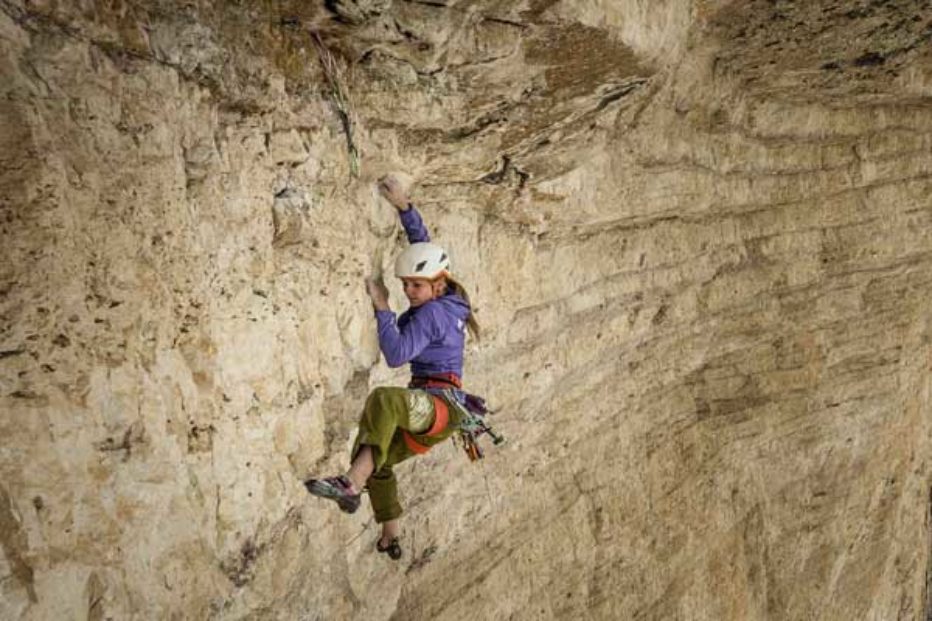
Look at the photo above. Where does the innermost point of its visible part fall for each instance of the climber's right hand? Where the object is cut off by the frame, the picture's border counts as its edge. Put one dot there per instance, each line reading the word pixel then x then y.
pixel 390 188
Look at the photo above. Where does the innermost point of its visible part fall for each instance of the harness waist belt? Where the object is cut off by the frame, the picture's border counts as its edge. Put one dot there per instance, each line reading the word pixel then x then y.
pixel 442 380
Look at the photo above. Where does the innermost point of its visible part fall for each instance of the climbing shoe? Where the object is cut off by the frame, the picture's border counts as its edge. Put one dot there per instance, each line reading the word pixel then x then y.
pixel 338 489
pixel 393 549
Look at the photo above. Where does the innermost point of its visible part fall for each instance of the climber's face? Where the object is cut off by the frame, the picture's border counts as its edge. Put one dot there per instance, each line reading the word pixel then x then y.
pixel 420 290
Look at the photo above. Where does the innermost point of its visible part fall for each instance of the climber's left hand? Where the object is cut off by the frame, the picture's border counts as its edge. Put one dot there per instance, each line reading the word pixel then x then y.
pixel 377 293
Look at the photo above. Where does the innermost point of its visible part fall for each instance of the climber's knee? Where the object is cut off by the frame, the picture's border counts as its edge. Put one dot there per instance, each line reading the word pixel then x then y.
pixel 381 399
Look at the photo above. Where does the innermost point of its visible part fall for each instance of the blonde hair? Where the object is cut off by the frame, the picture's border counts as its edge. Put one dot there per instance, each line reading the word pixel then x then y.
pixel 454 286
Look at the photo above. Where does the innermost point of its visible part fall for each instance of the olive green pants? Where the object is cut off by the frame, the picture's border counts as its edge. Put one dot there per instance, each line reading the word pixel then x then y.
pixel 388 411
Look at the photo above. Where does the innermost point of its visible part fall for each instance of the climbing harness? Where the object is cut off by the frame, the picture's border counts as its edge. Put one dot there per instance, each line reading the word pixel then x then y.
pixel 447 392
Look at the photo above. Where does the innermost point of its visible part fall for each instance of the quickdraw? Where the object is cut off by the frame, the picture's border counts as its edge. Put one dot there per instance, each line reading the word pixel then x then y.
pixel 472 422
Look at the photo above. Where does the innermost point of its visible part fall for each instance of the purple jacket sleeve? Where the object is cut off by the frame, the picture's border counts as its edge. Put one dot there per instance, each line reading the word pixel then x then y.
pixel 414 226
pixel 401 346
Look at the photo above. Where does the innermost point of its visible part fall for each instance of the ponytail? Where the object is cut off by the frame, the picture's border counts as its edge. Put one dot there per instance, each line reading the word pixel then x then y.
pixel 471 324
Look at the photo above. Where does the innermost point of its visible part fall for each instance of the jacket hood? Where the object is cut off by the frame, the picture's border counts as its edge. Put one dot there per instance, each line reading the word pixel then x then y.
pixel 454 304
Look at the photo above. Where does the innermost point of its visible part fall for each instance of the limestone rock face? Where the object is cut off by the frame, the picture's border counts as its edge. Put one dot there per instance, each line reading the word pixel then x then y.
pixel 698 234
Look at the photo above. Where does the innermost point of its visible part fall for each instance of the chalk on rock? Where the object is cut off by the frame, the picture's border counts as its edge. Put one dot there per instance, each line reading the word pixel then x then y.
pixel 290 213
pixel 286 147
pixel 198 161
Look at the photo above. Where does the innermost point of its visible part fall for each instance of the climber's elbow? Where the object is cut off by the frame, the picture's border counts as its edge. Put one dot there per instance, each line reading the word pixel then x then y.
pixel 394 363
pixel 394 359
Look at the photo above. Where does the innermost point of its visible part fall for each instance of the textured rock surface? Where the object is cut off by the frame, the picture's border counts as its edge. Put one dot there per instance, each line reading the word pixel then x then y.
pixel 699 234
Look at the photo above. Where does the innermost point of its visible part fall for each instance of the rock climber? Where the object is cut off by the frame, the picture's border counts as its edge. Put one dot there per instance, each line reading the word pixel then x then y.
pixel 398 423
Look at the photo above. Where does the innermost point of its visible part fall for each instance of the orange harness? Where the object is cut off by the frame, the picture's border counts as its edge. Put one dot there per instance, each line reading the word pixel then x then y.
pixel 441 410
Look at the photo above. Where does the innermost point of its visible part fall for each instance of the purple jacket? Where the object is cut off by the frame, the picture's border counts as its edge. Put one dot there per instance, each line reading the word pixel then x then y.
pixel 431 336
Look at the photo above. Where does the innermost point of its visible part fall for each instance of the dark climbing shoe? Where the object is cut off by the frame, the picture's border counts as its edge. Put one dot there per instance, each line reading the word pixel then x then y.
pixel 338 489
pixel 393 549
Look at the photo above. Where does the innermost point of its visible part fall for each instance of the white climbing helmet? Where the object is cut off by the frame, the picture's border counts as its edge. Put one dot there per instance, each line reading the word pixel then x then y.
pixel 422 260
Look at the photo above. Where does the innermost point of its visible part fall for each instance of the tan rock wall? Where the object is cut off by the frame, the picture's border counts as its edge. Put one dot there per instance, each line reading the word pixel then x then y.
pixel 698 235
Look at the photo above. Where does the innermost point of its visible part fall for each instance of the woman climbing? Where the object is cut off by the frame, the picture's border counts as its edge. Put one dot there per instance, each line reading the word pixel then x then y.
pixel 398 423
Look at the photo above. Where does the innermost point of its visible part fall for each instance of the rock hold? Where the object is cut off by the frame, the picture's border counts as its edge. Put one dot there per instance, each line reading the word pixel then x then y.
pixel 291 210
